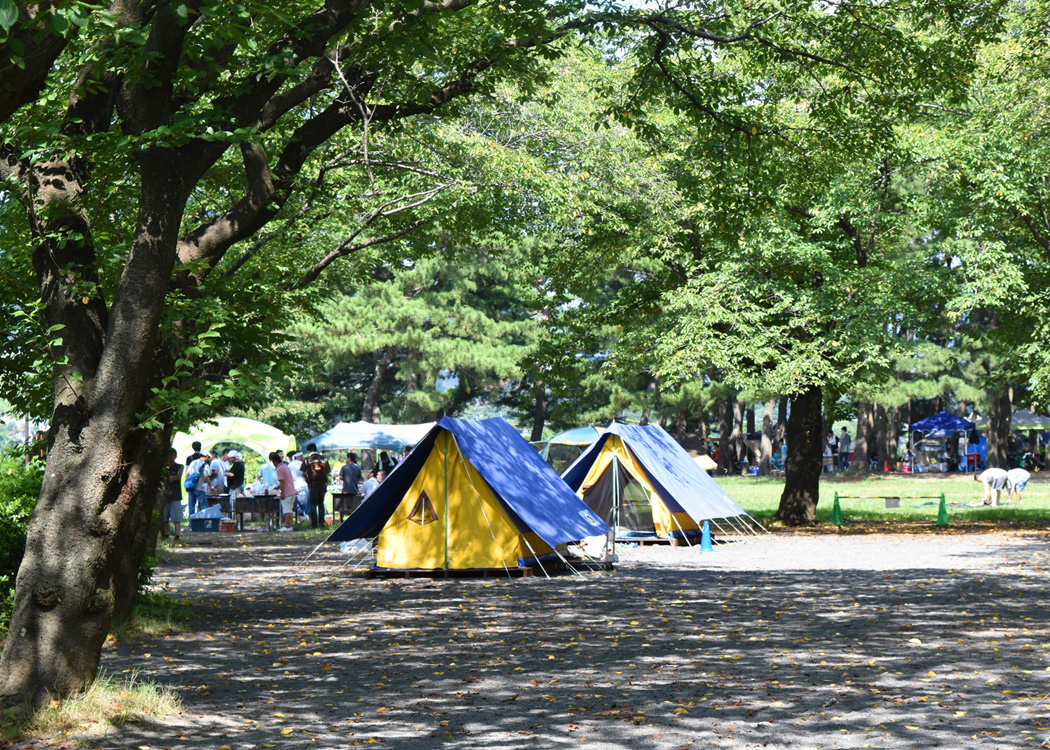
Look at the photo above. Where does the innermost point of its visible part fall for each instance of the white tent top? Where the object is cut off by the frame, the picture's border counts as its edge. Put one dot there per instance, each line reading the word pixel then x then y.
pixel 347 435
pixel 260 437
pixel 1021 420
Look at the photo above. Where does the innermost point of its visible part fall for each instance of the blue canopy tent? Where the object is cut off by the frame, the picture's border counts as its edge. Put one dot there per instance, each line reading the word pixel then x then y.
pixel 470 495
pixel 641 479
pixel 943 422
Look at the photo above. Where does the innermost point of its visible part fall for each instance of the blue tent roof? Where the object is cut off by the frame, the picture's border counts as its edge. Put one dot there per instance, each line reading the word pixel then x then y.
pixel 942 420
pixel 529 489
pixel 676 477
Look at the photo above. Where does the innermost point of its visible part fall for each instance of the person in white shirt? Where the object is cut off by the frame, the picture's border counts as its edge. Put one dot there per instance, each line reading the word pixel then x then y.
pixel 302 491
pixel 1016 480
pixel 370 485
pixel 216 473
pixel 992 479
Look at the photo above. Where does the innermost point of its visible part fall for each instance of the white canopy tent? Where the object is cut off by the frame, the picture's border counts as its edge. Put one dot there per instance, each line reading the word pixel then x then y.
pixel 347 435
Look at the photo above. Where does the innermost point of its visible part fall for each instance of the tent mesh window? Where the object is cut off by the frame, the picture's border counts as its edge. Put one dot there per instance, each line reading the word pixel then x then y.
pixel 423 511
pixel 635 511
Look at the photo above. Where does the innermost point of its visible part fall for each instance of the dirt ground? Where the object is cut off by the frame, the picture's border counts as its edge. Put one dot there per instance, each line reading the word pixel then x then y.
pixel 785 641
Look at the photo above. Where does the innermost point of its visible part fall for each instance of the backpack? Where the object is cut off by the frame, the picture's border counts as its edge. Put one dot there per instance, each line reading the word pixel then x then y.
pixel 191 480
pixel 194 476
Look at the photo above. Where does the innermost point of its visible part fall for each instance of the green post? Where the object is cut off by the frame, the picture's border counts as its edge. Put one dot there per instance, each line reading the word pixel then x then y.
pixel 836 512
pixel 942 512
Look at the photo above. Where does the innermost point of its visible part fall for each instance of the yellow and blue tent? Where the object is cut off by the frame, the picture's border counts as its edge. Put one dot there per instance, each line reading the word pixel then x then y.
pixel 470 495
pixel 637 478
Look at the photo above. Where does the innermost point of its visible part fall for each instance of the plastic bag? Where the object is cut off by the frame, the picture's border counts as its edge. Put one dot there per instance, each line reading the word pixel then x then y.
pixel 214 511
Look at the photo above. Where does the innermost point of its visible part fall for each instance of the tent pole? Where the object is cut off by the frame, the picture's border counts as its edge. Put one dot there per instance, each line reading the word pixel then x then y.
pixel 447 509
pixel 616 502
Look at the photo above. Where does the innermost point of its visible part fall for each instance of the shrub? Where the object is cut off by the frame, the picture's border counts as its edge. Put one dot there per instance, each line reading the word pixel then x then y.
pixel 19 489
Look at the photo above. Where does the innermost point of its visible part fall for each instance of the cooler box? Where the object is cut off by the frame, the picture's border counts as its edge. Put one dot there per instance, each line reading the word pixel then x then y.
pixel 204 524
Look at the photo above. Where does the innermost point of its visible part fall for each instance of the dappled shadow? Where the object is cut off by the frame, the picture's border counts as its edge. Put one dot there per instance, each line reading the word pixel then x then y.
pixel 670 649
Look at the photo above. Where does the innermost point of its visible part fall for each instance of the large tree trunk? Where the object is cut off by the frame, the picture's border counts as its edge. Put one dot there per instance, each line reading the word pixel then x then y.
pixel 102 469
pixel 765 461
pixel 805 433
pixel 539 412
pixel 725 427
pixel 681 427
pixel 882 431
pixel 865 416
pixel 999 414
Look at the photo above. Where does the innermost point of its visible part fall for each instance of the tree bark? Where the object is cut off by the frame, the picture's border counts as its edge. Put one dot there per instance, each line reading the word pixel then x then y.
pixel 539 412
pixel 681 427
pixel 882 455
pixel 781 431
pixel 805 433
pixel 738 444
pixel 102 469
pixel 999 414
pixel 725 427
pixel 750 419
pixel 765 461
pixel 859 466
pixel 381 363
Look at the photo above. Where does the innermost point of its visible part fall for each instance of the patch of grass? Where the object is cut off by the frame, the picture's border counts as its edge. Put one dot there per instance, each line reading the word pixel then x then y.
pixel 155 613
pixel 107 703
pixel 862 503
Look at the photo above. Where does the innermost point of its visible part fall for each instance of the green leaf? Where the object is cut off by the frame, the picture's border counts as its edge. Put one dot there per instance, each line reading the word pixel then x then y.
pixel 8 14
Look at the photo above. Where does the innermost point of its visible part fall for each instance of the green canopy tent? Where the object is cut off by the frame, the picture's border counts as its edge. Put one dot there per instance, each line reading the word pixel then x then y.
pixel 565 447
pixel 260 437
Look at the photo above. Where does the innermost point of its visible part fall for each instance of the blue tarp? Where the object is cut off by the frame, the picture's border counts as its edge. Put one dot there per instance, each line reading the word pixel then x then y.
pixel 678 480
pixel 529 489
pixel 942 420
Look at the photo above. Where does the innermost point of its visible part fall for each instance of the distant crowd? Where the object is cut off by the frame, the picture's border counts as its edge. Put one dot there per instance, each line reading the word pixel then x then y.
pixel 300 483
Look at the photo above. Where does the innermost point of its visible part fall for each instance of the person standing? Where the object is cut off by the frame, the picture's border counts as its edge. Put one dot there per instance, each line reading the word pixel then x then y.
pixel 844 449
pixel 267 476
pixel 350 475
pixel 1016 481
pixel 197 495
pixel 316 470
pixel 386 463
pixel 831 452
pixel 235 479
pixel 216 474
pixel 992 479
pixel 302 493
pixel 171 514
pixel 286 491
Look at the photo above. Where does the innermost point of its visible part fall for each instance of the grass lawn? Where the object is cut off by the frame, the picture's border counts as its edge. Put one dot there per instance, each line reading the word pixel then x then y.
pixel 760 497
